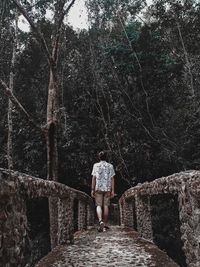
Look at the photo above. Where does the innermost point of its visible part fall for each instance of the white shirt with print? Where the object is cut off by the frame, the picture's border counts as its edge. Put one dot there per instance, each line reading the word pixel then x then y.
pixel 103 171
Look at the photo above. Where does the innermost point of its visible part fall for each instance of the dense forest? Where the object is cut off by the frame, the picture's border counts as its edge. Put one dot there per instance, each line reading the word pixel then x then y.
pixel 128 85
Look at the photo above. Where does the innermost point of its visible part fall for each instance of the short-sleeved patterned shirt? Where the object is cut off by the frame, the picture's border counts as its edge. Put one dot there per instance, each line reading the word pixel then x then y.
pixel 103 171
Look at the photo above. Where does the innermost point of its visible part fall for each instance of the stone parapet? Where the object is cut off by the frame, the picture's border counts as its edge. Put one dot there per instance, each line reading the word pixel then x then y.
pixel 15 189
pixel 184 185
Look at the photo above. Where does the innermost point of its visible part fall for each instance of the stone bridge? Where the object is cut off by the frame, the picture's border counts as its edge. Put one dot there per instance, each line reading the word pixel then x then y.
pixel 168 207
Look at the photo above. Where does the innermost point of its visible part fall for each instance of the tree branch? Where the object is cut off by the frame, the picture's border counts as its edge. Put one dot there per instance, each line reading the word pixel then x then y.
pixel 35 29
pixel 140 68
pixel 64 13
pixel 16 102
pixel 57 35
pixel 188 64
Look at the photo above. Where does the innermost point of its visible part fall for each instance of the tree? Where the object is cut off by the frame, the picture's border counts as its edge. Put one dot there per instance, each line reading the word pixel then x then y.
pixel 11 85
pixel 125 87
pixel 50 128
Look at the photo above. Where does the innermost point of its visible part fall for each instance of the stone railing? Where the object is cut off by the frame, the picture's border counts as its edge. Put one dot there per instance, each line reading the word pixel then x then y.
pixel 136 209
pixel 15 190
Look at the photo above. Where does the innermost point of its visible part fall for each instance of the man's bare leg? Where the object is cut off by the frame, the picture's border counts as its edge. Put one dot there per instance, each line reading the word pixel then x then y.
pixel 105 214
pixel 99 213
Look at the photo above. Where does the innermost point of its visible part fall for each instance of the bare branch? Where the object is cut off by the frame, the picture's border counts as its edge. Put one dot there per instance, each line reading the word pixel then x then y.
pixel 140 68
pixel 63 13
pixel 16 102
pixel 39 35
pixel 188 64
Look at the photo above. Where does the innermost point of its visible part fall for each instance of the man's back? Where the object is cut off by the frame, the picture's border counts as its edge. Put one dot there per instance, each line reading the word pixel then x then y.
pixel 103 189
pixel 103 171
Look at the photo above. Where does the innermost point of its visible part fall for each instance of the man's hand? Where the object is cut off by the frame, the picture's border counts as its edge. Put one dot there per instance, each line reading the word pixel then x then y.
pixel 112 194
pixel 93 194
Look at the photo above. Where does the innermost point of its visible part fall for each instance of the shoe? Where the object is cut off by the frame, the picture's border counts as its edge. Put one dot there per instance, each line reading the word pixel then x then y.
pixel 105 228
pixel 100 229
pixel 101 226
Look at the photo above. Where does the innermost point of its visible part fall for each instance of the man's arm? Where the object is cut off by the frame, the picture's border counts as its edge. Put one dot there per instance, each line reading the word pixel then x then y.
pixel 112 187
pixel 93 186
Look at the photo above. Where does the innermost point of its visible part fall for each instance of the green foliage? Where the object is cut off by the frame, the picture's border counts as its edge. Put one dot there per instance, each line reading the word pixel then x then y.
pixel 125 86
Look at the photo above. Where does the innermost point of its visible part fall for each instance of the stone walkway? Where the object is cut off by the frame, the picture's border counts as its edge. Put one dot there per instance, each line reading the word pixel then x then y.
pixel 116 247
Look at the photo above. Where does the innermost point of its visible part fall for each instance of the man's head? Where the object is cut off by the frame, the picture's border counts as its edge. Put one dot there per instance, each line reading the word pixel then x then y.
pixel 102 155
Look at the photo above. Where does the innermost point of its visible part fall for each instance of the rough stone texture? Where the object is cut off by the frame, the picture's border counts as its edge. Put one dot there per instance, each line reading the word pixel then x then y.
pixel 122 214
pixel 143 213
pixel 90 215
pixel 116 247
pixel 54 220
pixel 186 185
pixel 82 215
pixel 128 210
pixel 13 226
pixel 65 220
pixel 15 189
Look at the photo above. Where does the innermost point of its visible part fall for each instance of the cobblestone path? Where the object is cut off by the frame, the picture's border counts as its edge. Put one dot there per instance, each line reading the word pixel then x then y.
pixel 116 247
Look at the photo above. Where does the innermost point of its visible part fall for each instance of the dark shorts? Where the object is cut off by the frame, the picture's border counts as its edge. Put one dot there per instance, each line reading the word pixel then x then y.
pixel 102 198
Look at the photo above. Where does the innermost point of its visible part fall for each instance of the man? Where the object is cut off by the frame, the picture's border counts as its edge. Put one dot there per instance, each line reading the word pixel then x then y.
pixel 103 184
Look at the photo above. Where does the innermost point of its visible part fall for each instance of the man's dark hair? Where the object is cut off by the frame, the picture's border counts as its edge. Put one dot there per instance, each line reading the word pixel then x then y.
pixel 102 155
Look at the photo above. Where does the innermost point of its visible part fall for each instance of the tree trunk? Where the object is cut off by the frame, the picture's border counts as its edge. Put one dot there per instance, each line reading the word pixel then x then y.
pixel 52 151
pixel 51 127
pixel 10 128
pixel 52 124
pixel 10 104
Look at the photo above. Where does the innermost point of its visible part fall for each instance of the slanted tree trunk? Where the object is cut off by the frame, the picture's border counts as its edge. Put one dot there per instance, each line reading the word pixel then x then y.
pixel 10 104
pixel 53 92
pixel 52 150
pixel 51 127
pixel 10 122
pixel 53 95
